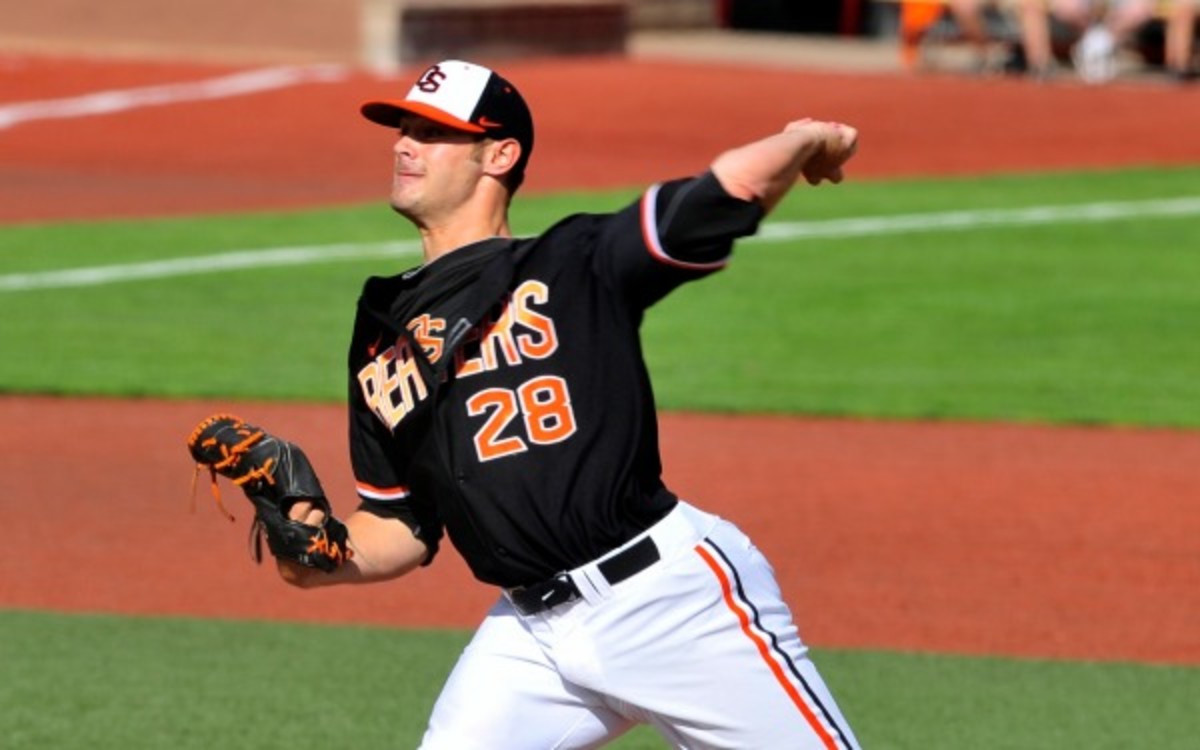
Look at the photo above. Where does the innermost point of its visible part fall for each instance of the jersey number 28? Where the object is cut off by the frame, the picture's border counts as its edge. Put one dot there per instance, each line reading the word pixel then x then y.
pixel 544 405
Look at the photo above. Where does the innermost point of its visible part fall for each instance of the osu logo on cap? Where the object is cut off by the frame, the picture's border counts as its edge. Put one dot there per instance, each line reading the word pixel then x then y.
pixel 431 80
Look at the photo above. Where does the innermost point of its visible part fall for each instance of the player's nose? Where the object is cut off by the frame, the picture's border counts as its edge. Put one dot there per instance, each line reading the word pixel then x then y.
pixel 404 145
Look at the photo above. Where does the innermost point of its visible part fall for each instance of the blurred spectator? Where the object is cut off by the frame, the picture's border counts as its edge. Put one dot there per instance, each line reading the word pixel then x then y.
pixel 916 20
pixel 983 24
pixel 1181 37
pixel 1097 28
pixel 975 20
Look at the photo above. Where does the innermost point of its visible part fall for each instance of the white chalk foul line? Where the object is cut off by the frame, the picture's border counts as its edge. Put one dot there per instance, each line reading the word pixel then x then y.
pixel 119 100
pixel 959 220
pixel 231 261
pixel 769 233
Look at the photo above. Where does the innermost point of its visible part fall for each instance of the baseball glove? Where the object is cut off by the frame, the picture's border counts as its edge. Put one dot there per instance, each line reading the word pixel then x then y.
pixel 274 474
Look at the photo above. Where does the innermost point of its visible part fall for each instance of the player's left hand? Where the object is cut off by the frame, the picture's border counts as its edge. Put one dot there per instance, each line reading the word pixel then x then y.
pixel 291 510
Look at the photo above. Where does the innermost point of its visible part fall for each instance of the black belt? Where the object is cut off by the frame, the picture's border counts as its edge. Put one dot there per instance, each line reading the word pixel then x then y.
pixel 541 596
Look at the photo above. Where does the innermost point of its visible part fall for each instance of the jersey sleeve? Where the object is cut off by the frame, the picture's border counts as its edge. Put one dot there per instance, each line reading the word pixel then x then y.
pixel 675 232
pixel 380 482
pixel 379 463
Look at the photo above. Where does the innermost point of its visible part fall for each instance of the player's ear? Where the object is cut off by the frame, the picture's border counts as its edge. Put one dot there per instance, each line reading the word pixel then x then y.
pixel 501 157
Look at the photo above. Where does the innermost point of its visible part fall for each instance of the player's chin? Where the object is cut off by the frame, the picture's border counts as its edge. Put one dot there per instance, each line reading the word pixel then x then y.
pixel 403 196
pixel 402 203
pixel 402 208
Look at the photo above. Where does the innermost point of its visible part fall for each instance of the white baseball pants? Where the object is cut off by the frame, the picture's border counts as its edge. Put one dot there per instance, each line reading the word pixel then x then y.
pixel 699 645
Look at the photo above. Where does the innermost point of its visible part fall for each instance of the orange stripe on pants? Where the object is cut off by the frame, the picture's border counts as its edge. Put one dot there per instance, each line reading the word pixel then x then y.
pixel 789 688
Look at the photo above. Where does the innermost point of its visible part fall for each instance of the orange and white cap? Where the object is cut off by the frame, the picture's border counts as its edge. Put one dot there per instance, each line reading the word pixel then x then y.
pixel 463 96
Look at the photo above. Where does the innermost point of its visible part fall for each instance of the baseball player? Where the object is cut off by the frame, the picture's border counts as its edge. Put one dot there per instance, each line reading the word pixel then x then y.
pixel 498 395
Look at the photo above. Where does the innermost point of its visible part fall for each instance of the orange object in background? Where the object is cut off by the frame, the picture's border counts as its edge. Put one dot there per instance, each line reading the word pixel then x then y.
pixel 916 16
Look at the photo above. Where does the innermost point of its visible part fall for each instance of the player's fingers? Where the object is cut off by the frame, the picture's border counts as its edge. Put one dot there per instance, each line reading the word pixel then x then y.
pixel 300 510
pixel 849 139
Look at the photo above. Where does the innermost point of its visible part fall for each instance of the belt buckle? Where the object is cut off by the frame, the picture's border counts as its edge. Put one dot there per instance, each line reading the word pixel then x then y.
pixel 544 595
pixel 561 590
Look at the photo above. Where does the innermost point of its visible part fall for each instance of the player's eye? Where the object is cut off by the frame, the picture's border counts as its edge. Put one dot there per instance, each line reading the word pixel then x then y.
pixel 423 131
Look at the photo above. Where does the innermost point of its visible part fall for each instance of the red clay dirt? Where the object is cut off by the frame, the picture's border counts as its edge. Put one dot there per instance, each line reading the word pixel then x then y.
pixel 601 123
pixel 1055 542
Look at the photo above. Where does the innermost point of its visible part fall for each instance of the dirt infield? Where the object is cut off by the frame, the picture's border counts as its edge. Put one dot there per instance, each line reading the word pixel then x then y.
pixel 967 538
pixel 601 122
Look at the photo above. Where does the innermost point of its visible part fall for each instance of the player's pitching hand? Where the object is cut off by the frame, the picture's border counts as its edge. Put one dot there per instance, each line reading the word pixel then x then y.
pixel 834 144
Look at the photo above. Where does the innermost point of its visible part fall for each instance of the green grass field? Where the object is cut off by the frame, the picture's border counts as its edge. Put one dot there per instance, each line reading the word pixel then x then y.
pixel 91 682
pixel 1064 321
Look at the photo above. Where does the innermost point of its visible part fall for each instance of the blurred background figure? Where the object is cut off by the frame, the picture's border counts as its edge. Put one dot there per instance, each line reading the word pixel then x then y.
pixel 988 27
pixel 1093 30
pixel 916 21
pixel 972 19
pixel 1181 39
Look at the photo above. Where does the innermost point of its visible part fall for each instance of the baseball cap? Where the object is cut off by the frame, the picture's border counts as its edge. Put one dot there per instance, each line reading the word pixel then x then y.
pixel 463 96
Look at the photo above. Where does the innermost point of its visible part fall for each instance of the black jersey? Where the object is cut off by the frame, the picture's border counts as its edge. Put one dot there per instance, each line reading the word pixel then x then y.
pixel 499 393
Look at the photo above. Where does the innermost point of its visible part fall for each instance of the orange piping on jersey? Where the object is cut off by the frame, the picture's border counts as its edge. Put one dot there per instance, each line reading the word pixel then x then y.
pixel 789 688
pixel 382 493
pixel 651 241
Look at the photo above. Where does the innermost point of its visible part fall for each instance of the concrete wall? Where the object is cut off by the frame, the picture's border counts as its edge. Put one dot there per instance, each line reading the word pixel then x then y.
pixel 261 31
pixel 219 30
pixel 674 14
